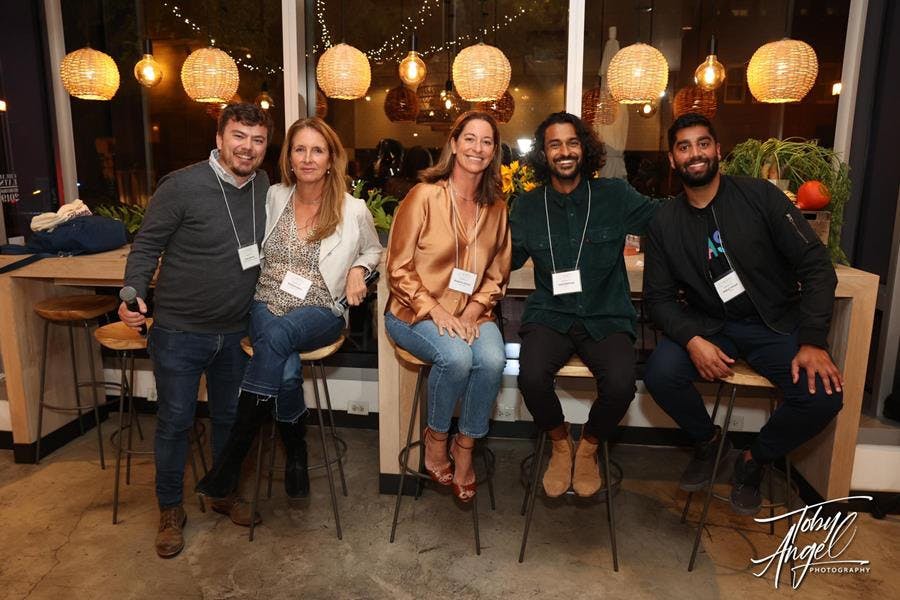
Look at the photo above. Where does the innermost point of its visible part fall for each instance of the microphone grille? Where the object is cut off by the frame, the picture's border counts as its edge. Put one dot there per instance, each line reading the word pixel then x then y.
pixel 127 294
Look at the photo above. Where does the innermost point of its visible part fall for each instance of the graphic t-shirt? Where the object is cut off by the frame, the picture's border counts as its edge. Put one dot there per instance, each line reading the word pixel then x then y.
pixel 739 307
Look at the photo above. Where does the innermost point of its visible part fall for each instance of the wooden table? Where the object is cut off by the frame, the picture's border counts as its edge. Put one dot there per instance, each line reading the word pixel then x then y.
pixel 826 461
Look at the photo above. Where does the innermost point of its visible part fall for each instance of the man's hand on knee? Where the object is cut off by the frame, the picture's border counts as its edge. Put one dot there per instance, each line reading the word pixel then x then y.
pixel 709 359
pixel 816 360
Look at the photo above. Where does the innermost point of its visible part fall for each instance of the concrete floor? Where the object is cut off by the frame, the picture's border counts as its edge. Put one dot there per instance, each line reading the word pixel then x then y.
pixel 58 540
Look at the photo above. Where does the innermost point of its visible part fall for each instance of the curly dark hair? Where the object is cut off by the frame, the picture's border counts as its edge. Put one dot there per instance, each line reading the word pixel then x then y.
pixel 245 113
pixel 594 153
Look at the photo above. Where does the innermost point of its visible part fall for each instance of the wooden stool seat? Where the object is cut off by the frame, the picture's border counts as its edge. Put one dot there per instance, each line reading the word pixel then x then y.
pixel 83 307
pixel 410 358
pixel 745 375
pixel 574 368
pixel 121 337
pixel 312 355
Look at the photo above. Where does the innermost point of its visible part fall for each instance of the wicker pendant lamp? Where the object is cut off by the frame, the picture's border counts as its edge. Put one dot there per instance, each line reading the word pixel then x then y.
pixel 639 73
pixel 401 105
pixel 502 110
pixel 210 75
pixel 89 74
pixel 481 73
pixel 321 104
pixel 782 71
pixel 694 99
pixel 343 71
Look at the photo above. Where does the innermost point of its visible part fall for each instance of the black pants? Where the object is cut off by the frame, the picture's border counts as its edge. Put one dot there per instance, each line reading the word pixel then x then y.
pixel 670 375
pixel 611 360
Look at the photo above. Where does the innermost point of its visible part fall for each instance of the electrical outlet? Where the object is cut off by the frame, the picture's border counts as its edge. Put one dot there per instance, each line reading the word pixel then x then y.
pixel 737 423
pixel 506 413
pixel 151 394
pixel 358 407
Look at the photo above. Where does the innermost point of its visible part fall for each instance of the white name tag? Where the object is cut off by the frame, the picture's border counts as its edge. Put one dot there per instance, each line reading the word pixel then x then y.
pixel 249 256
pixel 463 281
pixel 566 282
pixel 296 285
pixel 729 286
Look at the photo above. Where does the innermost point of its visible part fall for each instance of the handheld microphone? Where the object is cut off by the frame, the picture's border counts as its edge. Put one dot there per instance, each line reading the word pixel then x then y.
pixel 340 306
pixel 128 295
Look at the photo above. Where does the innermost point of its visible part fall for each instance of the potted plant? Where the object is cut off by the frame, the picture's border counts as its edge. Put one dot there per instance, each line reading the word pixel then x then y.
pixel 816 172
pixel 376 202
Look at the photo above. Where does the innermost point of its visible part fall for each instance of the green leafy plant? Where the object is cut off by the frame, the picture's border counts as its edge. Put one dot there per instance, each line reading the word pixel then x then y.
pixel 798 161
pixel 376 203
pixel 131 215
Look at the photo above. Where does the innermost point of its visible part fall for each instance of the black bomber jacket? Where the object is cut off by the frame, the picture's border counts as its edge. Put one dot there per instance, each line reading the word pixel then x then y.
pixel 785 269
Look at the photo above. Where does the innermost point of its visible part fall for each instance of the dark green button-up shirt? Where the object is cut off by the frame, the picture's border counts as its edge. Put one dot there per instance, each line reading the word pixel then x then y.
pixel 604 304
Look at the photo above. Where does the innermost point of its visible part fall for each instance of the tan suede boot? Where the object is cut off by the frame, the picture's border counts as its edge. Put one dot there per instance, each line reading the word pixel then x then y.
pixel 587 480
pixel 558 475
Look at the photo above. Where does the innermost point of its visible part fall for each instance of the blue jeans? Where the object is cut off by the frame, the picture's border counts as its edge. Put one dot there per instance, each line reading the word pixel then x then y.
pixel 179 359
pixel 473 373
pixel 275 369
pixel 670 374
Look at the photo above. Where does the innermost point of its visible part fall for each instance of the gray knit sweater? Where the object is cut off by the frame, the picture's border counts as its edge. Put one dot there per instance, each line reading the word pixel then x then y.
pixel 201 286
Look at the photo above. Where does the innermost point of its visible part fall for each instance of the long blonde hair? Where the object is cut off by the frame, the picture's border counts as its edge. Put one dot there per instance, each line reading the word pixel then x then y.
pixel 335 179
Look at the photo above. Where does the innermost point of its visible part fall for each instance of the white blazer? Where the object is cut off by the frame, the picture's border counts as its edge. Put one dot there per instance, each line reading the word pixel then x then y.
pixel 353 244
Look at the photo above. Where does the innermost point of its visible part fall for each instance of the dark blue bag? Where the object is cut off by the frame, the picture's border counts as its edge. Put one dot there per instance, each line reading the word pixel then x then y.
pixel 81 235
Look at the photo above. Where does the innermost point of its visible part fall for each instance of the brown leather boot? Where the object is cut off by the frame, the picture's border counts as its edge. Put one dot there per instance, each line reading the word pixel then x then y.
pixel 169 538
pixel 558 475
pixel 587 480
pixel 236 508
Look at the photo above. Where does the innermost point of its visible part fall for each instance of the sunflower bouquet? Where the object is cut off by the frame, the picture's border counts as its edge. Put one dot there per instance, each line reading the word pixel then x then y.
pixel 518 178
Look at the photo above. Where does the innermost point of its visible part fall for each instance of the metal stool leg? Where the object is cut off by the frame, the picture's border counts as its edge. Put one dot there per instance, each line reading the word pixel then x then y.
pixel 254 502
pixel 712 481
pixel 610 510
pixel 532 492
pixel 771 475
pixel 198 440
pixel 687 503
pixel 327 462
pixel 404 463
pixel 531 478
pixel 423 422
pixel 272 445
pixel 37 455
pixel 87 340
pixel 475 524
pixel 337 450
pixel 490 478
pixel 194 469
pixel 788 501
pixel 75 378
pixel 115 517
pixel 132 416
pixel 131 387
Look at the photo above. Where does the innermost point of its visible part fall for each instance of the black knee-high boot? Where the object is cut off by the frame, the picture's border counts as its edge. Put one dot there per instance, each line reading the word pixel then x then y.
pixel 296 475
pixel 223 478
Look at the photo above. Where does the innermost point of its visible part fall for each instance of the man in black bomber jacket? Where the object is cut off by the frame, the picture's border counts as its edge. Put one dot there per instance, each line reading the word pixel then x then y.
pixel 758 285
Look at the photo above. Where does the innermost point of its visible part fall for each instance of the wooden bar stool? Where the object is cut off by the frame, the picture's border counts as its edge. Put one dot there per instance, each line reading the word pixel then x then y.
pixel 744 376
pixel 403 457
pixel 315 359
pixel 125 341
pixel 574 368
pixel 73 311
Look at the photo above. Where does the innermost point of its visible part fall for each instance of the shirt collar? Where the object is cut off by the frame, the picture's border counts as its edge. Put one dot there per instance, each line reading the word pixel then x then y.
pixel 223 173
pixel 576 196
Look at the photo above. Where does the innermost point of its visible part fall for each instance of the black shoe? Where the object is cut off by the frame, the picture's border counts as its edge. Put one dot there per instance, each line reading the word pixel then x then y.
pixel 223 478
pixel 699 471
pixel 296 474
pixel 746 498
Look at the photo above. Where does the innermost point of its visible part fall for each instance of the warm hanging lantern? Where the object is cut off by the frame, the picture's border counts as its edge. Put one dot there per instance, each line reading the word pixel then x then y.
pixel 343 72
pixel 481 73
pixel 710 75
pixel 264 100
pixel 412 68
pixel 648 109
pixel 147 71
pixel 502 110
pixel 694 99
pixel 89 74
pixel 637 74
pixel 782 71
pixel 209 75
pixel 439 105
pixel 598 106
pixel 401 105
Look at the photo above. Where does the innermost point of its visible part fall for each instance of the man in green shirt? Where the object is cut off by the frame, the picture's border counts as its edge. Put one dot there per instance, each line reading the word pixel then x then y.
pixel 573 228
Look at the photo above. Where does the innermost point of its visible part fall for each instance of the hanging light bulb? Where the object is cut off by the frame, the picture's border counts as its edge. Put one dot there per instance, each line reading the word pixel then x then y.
pixel 710 75
pixel 264 100
pixel 448 98
pixel 648 109
pixel 412 68
pixel 147 71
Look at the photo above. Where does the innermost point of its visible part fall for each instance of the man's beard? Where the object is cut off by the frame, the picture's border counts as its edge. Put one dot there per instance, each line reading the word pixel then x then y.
pixel 700 179
pixel 566 176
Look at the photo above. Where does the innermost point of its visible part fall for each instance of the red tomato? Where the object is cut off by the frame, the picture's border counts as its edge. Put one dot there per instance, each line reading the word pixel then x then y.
pixel 813 195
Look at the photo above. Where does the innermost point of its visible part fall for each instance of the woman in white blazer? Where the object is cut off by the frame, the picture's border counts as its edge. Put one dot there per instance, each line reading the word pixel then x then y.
pixel 319 245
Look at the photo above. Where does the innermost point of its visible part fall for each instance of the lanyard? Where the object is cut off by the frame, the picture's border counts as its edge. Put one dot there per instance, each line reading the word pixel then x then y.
pixel 253 208
pixel 583 233
pixel 454 216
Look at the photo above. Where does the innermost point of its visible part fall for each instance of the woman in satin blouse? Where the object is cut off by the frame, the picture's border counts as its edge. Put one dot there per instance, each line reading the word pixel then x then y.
pixel 448 265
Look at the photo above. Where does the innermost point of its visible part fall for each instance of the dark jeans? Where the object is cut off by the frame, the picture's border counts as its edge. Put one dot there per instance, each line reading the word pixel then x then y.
pixel 611 360
pixel 670 375
pixel 275 368
pixel 179 359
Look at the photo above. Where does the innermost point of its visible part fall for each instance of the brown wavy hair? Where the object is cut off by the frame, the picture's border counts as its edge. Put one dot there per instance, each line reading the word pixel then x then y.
pixel 335 179
pixel 491 187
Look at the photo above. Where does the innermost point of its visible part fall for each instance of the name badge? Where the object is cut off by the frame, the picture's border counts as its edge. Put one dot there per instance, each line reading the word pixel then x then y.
pixel 249 256
pixel 729 286
pixel 295 285
pixel 566 282
pixel 462 281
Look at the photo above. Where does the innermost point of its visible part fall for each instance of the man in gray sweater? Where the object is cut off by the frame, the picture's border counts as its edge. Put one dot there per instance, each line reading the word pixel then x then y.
pixel 202 228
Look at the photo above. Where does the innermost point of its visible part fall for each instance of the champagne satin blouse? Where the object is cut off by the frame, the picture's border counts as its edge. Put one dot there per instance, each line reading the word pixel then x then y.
pixel 421 255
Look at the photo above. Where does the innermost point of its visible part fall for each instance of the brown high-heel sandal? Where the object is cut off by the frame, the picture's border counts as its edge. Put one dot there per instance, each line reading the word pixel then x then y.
pixel 466 491
pixel 441 475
